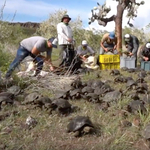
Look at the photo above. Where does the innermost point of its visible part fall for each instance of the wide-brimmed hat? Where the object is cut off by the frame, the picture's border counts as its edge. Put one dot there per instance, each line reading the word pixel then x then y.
pixel 54 41
pixel 65 16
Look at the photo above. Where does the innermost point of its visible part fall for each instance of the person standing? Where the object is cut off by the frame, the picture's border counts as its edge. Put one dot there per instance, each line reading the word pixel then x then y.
pixel 65 41
pixel 34 46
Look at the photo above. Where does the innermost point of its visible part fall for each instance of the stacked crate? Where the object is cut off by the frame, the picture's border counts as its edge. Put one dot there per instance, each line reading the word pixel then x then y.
pixel 109 61
pixel 145 65
pixel 128 62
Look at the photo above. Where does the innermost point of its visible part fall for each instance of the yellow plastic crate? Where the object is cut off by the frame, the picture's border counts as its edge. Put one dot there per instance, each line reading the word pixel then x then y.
pixel 104 66
pixel 109 58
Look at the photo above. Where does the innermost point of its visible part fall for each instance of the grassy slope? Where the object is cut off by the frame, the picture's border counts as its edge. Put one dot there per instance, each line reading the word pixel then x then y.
pixel 50 132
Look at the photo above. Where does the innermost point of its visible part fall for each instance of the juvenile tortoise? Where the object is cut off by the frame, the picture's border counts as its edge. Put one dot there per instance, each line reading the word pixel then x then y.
pixel 80 125
pixel 96 83
pixel 87 89
pixel 61 106
pixel 120 79
pixel 142 74
pixel 114 72
pixel 6 98
pixel 14 90
pixel 136 106
pixel 131 84
pixel 112 96
pixel 92 97
pixel 75 94
pixel 124 68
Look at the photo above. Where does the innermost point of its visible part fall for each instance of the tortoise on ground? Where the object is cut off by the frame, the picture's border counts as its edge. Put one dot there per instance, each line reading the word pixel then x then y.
pixel 61 106
pixel 37 100
pixel 92 97
pixel 87 89
pixel 31 98
pixel 106 88
pixel 120 79
pixel 136 106
pixel 96 83
pixel 14 89
pixel 77 83
pixel 103 89
pixel 114 72
pixel 131 84
pixel 75 94
pixel 140 80
pixel 129 78
pixel 142 88
pixel 124 69
pixel 80 125
pixel 112 96
pixel 131 70
pixel 142 74
pixel 6 98
pixel 134 96
pixel 102 106
pixel 62 94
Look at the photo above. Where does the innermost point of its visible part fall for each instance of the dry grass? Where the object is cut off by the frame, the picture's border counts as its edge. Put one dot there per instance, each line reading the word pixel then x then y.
pixel 50 132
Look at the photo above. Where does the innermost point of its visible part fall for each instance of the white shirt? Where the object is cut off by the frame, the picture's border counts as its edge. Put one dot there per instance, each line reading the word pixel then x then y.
pixel 64 33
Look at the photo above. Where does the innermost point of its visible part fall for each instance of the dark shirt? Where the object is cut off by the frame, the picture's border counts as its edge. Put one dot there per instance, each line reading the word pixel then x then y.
pixel 145 52
pixel 133 44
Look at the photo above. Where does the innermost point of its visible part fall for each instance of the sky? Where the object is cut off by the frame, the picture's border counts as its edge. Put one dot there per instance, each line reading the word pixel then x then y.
pixel 39 10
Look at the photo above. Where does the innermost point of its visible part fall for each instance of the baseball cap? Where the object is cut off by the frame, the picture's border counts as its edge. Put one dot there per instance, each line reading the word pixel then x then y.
pixel 148 45
pixel 127 37
pixel 84 43
pixel 54 41
pixel 111 35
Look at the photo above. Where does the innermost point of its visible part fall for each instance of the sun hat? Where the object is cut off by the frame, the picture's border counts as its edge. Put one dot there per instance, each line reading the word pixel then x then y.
pixel 65 16
pixel 84 43
pixel 111 35
pixel 54 41
pixel 148 45
pixel 127 37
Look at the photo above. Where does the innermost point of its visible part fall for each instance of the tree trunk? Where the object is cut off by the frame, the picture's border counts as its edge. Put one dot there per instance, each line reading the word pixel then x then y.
pixel 118 26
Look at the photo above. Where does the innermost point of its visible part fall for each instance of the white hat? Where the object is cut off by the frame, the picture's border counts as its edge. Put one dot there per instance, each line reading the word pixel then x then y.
pixel 84 42
pixel 127 36
pixel 148 45
pixel 54 43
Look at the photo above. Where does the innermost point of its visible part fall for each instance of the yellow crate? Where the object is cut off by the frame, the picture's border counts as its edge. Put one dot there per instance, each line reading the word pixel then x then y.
pixel 109 58
pixel 104 66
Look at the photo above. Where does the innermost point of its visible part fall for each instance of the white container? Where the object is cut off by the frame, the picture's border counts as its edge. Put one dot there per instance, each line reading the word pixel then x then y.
pixel 128 62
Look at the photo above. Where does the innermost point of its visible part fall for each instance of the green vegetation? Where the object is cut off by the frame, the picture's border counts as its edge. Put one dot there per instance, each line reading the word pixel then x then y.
pixel 50 132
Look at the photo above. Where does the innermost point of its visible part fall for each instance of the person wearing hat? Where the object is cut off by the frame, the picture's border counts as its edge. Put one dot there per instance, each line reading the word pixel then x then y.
pixel 86 54
pixel 132 45
pixel 65 40
pixel 84 50
pixel 108 44
pixel 145 52
pixel 33 47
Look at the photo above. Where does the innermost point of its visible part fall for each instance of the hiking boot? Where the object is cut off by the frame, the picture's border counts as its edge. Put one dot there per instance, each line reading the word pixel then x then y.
pixel 8 75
